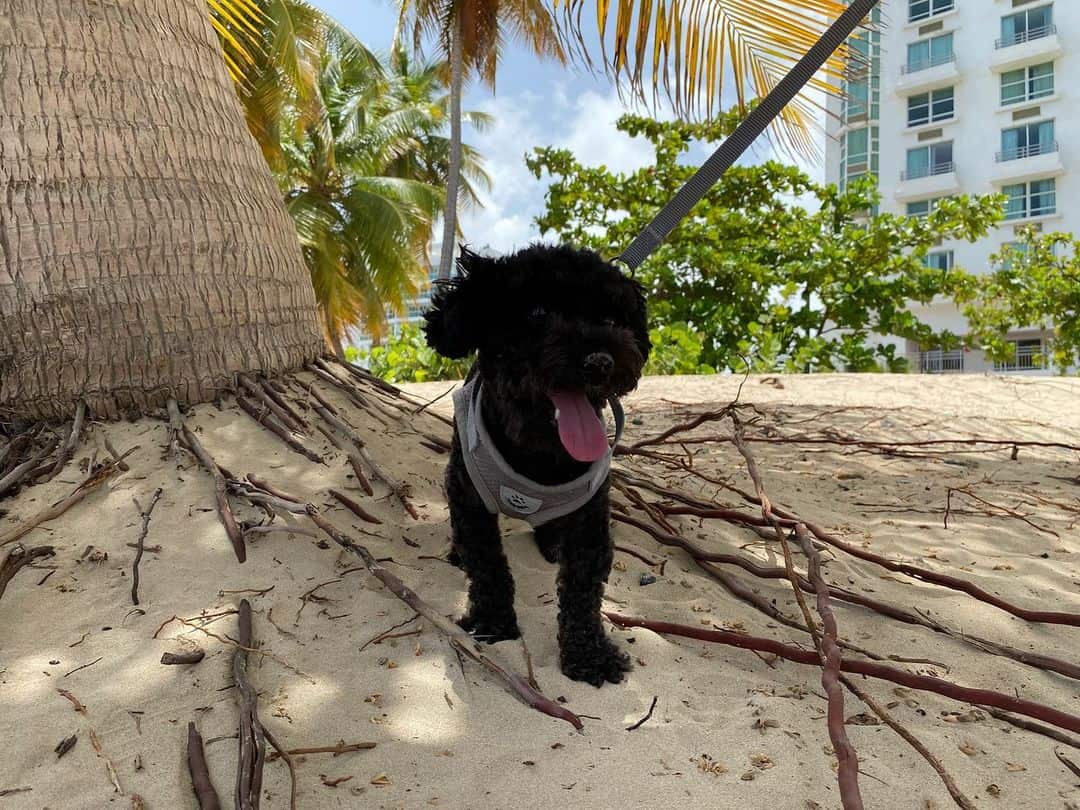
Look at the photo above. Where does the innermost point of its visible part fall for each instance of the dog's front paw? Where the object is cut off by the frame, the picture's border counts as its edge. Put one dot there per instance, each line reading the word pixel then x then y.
pixel 597 661
pixel 548 546
pixel 490 629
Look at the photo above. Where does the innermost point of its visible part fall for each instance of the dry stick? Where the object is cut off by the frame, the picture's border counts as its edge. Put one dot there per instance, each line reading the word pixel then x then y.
pixel 140 544
pixel 279 398
pixel 176 427
pixel 965 490
pixel 354 507
pixel 399 489
pixel 847 441
pixel 789 519
pixel 1068 763
pixel 828 642
pixel 96 479
pixel 21 471
pixel 73 439
pixel 18 558
pixel 112 452
pixel 271 423
pixel 827 649
pixel 252 747
pixel 350 392
pixel 703 558
pixel 285 755
pixel 200 774
pixel 459 639
pixel 873 669
pixel 648 714
pixel 193 657
pixel 829 652
pixel 341 748
pixel 354 459
pixel 266 486
pixel 270 403
pixel 1028 725
pixel 221 497
pixel 13 451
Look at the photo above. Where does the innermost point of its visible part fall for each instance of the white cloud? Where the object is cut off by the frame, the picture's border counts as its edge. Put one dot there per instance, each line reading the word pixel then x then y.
pixel 584 124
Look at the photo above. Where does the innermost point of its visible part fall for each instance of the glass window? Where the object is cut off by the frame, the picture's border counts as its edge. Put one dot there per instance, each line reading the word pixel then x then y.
pixel 939 260
pixel 929 52
pixel 1027 84
pixel 924 161
pixel 1034 23
pixel 1035 199
pixel 1028 140
pixel 921 208
pixel 922 9
pixel 925 108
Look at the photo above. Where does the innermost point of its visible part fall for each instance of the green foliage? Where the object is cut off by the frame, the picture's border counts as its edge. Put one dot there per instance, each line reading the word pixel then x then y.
pixel 676 349
pixel 406 357
pixel 1036 283
pixel 755 275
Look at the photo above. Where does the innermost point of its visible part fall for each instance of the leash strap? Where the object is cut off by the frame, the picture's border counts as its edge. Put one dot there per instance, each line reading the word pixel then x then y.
pixel 745 134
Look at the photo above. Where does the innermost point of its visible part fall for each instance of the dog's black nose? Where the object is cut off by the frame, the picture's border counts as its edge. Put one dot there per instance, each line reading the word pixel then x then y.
pixel 598 366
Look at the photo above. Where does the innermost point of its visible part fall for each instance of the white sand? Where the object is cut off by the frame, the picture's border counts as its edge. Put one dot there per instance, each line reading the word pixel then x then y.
pixel 452 737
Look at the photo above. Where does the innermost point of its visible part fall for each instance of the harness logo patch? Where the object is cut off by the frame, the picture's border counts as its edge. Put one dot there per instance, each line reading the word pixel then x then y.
pixel 518 502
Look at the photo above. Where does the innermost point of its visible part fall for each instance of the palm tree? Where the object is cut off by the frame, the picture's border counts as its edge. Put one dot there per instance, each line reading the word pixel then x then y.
pixel 364 227
pixel 684 48
pixel 421 86
pixel 472 33
pixel 144 248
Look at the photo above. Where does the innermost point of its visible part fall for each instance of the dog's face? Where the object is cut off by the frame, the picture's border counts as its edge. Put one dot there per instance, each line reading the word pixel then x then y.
pixel 553 325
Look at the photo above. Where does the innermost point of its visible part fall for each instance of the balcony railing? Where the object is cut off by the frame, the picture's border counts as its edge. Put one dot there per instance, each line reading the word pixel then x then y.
pixel 1021 37
pixel 926 64
pixel 1031 150
pixel 1026 358
pixel 940 362
pixel 929 171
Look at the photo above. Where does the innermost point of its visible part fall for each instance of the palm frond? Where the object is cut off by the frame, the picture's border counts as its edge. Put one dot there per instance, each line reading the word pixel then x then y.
pixel 692 51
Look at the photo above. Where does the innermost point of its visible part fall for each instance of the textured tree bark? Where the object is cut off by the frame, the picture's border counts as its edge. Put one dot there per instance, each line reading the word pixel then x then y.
pixel 144 248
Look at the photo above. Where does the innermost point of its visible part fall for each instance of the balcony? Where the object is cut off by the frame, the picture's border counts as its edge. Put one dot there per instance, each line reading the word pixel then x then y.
pixel 1027 163
pixel 939 180
pixel 1029 47
pixel 930 74
pixel 937 361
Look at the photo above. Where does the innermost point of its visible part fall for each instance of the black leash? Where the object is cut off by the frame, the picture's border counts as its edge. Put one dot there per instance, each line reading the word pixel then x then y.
pixel 745 134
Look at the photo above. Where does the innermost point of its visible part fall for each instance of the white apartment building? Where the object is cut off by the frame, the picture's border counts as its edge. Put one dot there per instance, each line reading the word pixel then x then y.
pixel 967 97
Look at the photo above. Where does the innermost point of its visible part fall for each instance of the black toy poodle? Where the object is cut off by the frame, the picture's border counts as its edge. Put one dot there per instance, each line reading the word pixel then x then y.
pixel 559 333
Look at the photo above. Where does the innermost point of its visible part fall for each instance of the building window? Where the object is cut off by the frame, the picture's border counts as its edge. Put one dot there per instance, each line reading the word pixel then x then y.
pixel 1028 354
pixel 929 53
pixel 941 361
pixel 921 208
pixel 1027 84
pixel 926 161
pixel 858 155
pixel 926 108
pixel 939 260
pixel 924 9
pixel 1034 23
pixel 1035 199
pixel 1027 141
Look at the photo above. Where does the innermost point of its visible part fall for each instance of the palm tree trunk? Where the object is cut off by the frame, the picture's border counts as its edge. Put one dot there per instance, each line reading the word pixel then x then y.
pixel 144 248
pixel 453 179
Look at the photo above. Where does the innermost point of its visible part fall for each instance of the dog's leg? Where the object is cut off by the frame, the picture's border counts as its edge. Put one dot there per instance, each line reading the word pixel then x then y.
pixel 586 552
pixel 478 547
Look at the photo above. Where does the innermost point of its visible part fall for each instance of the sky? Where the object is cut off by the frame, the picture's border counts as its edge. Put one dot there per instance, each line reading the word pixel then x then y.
pixel 536 103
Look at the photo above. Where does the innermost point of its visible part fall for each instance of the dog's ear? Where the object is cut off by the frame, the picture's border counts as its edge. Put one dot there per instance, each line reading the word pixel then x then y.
pixel 453 326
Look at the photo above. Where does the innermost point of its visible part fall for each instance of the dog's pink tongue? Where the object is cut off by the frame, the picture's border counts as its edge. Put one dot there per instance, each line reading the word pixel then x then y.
pixel 580 429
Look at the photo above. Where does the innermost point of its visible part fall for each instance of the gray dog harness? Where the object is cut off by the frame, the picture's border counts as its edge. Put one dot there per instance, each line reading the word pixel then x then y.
pixel 504 490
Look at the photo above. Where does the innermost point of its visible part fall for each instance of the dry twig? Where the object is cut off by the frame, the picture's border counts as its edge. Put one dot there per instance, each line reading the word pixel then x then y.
pixel 140 543
pixel 200 774
pixel 17 559
pixel 252 746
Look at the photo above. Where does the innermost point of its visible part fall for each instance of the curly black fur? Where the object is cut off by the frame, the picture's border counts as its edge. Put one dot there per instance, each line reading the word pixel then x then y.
pixel 543 319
